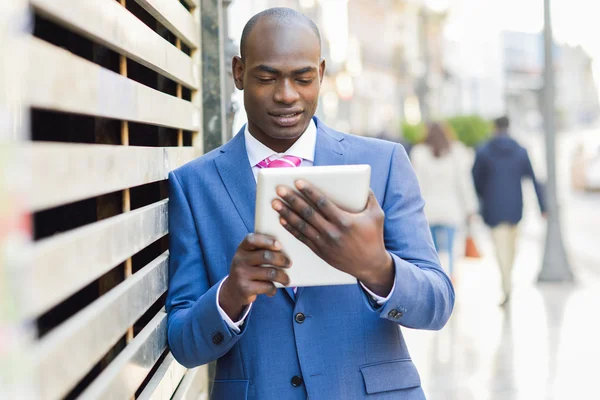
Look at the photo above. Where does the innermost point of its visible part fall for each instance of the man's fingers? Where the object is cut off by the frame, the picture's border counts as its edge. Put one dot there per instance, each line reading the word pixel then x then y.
pixel 298 204
pixel 268 257
pixel 263 287
pixel 319 201
pixel 373 205
pixel 255 241
pixel 264 274
pixel 269 274
pixel 290 217
pixel 312 244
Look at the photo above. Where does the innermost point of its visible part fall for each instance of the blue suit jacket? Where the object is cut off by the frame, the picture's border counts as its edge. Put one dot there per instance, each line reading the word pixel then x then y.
pixel 347 347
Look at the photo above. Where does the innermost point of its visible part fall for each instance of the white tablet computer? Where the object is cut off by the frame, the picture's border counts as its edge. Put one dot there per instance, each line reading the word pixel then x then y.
pixel 346 185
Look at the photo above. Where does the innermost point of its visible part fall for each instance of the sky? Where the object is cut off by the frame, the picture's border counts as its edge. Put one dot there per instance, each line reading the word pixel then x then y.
pixel 575 22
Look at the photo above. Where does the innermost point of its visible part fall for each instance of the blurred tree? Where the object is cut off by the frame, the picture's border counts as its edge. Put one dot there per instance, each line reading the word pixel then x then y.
pixel 413 133
pixel 470 129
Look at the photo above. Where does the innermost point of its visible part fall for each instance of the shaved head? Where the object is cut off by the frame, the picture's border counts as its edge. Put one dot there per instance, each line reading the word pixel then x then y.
pixel 280 15
pixel 280 71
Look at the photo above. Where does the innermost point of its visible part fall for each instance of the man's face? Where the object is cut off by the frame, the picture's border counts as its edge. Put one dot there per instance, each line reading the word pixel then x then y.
pixel 281 77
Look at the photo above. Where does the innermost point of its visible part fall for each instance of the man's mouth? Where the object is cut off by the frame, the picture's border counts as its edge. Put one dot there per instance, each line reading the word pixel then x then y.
pixel 287 120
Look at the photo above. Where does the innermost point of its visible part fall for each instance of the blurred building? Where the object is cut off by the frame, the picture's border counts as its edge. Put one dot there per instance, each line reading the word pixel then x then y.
pixel 523 55
pixel 576 90
pixel 384 61
pixel 473 62
pixel 577 100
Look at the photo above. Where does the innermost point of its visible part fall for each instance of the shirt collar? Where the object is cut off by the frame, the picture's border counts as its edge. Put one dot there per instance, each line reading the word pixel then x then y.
pixel 304 147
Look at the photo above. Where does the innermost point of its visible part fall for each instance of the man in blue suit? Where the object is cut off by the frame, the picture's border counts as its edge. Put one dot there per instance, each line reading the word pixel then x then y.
pixel 335 342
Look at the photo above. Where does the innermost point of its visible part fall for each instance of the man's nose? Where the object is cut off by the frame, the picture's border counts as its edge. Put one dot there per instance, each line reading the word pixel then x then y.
pixel 286 93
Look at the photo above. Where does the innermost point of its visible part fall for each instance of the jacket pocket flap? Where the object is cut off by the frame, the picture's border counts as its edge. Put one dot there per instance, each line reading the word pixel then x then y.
pixel 390 375
pixel 230 389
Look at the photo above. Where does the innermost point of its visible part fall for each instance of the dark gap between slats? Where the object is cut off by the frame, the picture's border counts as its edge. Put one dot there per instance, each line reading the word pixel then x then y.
pixel 185 5
pixel 74 215
pixel 55 126
pixel 97 369
pixel 148 19
pixel 186 49
pixel 151 136
pixel 78 301
pixel 59 36
pixel 187 138
pixel 150 193
pixel 186 94
pixel 151 374
pixel 148 315
pixel 149 254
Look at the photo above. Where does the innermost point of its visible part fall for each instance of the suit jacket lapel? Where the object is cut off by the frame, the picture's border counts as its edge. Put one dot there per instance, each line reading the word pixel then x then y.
pixel 236 174
pixel 329 150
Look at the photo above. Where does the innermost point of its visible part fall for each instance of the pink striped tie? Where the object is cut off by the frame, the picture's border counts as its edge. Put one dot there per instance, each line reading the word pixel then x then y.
pixel 281 162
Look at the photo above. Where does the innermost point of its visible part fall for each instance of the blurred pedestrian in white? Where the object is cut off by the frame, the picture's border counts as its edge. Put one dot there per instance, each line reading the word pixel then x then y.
pixel 443 168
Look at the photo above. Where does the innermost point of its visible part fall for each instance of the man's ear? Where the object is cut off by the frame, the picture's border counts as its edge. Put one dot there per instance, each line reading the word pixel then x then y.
pixel 237 68
pixel 322 70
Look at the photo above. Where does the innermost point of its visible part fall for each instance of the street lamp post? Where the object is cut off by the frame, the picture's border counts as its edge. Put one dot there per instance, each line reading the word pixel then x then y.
pixel 555 267
pixel 422 89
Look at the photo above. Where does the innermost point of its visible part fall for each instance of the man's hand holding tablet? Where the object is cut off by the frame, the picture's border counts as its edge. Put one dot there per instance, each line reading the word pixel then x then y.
pixel 351 242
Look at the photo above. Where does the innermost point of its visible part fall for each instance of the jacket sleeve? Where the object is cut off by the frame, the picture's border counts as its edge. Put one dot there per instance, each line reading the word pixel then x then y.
pixel 539 190
pixel 423 297
pixel 197 334
pixel 479 173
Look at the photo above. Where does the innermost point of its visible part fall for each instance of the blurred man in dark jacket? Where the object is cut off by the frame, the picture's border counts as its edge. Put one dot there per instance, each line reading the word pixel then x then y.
pixel 500 165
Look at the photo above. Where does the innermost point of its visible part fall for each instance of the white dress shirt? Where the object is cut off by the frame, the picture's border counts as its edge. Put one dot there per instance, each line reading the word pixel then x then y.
pixel 304 148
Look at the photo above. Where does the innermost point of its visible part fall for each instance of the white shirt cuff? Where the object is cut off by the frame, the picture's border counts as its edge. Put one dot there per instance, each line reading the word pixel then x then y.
pixel 378 299
pixel 234 326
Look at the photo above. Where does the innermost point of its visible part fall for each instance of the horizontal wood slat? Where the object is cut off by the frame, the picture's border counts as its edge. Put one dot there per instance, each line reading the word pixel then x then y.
pixel 165 380
pixel 194 385
pixel 64 263
pixel 61 81
pixel 125 374
pixel 173 15
pixel 67 353
pixel 62 172
pixel 112 25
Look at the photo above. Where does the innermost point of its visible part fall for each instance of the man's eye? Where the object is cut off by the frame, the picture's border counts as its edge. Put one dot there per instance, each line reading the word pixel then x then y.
pixel 266 80
pixel 304 81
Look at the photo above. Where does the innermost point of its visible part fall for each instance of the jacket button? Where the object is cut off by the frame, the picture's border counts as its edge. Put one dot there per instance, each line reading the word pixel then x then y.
pixel 218 338
pixel 296 381
pixel 393 314
pixel 300 318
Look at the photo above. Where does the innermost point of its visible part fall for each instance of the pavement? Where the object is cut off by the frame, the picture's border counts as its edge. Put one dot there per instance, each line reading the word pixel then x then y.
pixel 545 344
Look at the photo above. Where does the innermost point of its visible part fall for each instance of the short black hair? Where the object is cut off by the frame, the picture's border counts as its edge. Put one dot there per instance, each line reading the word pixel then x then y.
pixel 502 123
pixel 280 14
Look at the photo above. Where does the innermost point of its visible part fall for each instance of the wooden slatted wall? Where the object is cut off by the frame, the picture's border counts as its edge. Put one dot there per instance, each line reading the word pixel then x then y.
pixel 15 335
pixel 113 89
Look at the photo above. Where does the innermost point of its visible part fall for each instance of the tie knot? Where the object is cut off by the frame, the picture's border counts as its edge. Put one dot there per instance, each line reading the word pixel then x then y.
pixel 280 162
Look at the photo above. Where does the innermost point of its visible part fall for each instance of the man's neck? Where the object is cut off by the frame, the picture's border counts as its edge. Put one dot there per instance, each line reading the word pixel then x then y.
pixel 277 145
